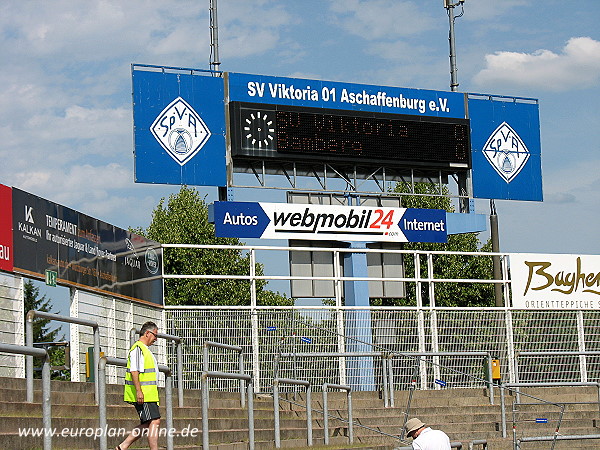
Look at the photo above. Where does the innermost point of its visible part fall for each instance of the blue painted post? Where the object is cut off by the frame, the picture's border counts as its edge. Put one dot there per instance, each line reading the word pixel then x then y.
pixel 361 373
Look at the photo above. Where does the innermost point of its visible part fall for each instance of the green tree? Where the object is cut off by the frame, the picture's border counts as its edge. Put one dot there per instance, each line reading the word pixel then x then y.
pixel 184 220
pixel 446 266
pixel 42 331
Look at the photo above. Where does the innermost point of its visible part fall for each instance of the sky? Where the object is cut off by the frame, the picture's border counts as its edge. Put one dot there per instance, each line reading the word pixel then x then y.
pixel 66 105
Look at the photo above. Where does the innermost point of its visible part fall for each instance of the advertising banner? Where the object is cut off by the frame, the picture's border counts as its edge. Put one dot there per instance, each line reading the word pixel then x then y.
pixel 83 251
pixel 541 281
pixel 179 128
pixel 327 222
pixel 506 149
pixel 6 239
pixel 336 95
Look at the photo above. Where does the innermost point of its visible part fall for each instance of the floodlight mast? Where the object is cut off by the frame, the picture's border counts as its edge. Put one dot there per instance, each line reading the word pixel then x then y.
pixel 450 5
pixel 214 37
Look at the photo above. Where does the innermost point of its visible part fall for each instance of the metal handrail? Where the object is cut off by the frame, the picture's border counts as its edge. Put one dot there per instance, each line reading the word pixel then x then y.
pixel 29 342
pixel 482 442
pixel 46 397
pixel 179 362
pixel 388 399
pixel 307 385
pixel 205 399
pixel 239 350
pixel 348 390
pixel 120 362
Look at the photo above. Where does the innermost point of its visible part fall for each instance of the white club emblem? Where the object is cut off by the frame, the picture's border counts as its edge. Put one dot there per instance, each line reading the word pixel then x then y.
pixel 506 152
pixel 180 131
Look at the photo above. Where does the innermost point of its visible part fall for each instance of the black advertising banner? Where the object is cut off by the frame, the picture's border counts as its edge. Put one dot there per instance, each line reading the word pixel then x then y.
pixel 85 252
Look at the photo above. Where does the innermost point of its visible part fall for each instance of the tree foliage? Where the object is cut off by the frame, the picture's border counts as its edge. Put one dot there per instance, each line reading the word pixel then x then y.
pixel 448 265
pixel 184 220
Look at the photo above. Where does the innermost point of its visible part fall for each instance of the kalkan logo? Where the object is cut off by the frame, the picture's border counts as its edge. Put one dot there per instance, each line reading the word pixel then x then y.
pixel 29 214
pixel 180 131
pixel 506 152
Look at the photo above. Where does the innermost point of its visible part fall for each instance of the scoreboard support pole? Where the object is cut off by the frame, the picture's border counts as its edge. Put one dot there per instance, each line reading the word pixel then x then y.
pixel 361 373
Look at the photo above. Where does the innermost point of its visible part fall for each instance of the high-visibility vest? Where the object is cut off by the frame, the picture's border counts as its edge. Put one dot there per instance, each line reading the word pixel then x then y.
pixel 147 378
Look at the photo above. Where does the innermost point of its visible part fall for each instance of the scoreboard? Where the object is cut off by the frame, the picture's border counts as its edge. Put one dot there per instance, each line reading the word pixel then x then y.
pixel 329 135
pixel 194 128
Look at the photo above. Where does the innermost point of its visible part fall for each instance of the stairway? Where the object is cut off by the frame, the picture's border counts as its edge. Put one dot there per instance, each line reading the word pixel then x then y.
pixel 464 414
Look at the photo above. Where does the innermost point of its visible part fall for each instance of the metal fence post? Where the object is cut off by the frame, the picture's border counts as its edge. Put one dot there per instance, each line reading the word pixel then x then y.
pixel 250 390
pixel 179 353
pixel 325 416
pixel 29 358
pixel 169 406
pixel 391 378
pixel 46 403
pixel 101 376
pixel 276 413
pixel 309 416
pixel 204 395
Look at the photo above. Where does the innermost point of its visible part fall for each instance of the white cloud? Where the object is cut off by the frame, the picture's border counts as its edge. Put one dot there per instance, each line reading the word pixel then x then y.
pixel 380 19
pixel 576 67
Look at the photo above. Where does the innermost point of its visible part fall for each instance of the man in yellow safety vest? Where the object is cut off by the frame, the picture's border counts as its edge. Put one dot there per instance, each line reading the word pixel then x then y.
pixel 141 389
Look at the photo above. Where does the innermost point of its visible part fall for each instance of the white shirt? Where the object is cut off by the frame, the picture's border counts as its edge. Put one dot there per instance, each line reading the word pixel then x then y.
pixel 432 440
pixel 136 359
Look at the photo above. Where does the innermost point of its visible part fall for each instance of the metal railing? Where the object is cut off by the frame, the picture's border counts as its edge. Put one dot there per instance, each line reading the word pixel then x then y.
pixel 179 358
pixel 29 342
pixel 581 354
pixel 306 384
pixel 458 445
pixel 387 376
pixel 553 438
pixel 46 398
pixel 482 442
pixel 240 352
pixel 102 416
pixel 348 390
pixel 205 401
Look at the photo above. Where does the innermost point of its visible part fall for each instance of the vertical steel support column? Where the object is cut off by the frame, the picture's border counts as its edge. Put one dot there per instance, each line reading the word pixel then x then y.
pixel 510 344
pixel 420 320
pixel 384 361
pixel 581 345
pixel 276 413
pixel 341 343
pixel 254 322
pixel 46 405
pixel 29 358
pixel 433 319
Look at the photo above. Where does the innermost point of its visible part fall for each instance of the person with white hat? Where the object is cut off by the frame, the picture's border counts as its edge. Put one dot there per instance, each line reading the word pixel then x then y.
pixel 425 438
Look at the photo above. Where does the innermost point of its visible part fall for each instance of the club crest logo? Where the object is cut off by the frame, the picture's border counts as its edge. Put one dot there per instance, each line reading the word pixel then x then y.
pixel 506 152
pixel 180 131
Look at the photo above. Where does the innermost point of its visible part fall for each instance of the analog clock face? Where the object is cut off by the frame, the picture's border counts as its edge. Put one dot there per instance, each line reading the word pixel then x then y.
pixel 259 129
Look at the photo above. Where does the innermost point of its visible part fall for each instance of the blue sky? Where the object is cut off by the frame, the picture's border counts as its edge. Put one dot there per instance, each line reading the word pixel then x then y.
pixel 66 115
